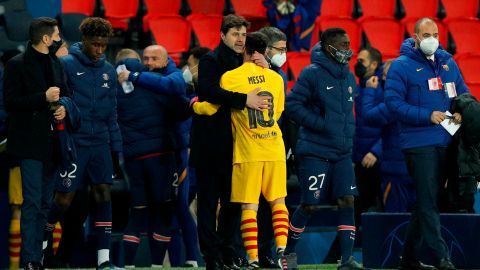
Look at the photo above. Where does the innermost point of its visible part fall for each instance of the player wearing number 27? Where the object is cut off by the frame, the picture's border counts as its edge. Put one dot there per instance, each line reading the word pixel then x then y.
pixel 258 148
pixel 321 103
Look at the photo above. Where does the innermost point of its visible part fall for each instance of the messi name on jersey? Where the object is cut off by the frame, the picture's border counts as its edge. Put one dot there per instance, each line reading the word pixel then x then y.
pixel 256 79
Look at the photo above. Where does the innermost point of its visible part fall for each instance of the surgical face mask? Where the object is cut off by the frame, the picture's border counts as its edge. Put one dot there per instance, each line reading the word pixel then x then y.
pixel 56 44
pixel 342 56
pixel 360 70
pixel 187 75
pixel 279 59
pixel 429 45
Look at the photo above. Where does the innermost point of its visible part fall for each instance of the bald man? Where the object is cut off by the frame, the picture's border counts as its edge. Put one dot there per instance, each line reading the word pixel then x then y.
pixel 420 87
pixel 155 57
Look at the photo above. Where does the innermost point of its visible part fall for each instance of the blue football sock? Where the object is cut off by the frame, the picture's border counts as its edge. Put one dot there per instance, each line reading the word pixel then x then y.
pixel 131 239
pixel 346 231
pixel 296 227
pixel 160 237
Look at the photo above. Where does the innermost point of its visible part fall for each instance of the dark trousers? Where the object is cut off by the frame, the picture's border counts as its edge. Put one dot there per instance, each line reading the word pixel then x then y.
pixel 37 184
pixel 428 168
pixel 369 197
pixel 216 242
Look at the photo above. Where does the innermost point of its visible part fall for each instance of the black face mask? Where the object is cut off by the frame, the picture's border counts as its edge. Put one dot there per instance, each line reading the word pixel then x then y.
pixel 360 70
pixel 56 44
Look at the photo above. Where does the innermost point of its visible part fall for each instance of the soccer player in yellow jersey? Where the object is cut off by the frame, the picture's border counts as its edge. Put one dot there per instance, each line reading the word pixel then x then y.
pixel 258 149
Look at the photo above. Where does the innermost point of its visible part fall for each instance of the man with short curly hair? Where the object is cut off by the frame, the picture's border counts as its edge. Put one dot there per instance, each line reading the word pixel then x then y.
pixel 93 82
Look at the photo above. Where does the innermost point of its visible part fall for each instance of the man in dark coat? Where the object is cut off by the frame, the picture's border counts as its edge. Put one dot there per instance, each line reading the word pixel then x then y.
pixel 33 84
pixel 212 145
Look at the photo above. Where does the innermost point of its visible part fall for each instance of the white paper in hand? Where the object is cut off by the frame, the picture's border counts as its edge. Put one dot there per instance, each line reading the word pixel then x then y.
pixel 450 127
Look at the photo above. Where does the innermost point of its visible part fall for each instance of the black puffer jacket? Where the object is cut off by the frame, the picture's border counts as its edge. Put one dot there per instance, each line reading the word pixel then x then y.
pixel 468 137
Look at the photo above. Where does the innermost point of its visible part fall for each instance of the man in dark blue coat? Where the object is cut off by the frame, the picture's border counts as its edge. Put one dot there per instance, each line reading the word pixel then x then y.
pixel 419 90
pixel 93 83
pixel 147 117
pixel 397 186
pixel 321 103
pixel 367 145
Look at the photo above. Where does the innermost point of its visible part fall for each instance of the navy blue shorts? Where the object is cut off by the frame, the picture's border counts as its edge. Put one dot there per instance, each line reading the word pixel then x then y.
pixel 94 166
pixel 153 180
pixel 323 181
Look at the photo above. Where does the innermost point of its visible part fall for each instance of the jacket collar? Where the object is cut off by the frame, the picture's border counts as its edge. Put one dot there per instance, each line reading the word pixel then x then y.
pixel 33 69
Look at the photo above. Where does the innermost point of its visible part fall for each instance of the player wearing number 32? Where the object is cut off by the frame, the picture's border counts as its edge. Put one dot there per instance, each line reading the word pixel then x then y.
pixel 258 149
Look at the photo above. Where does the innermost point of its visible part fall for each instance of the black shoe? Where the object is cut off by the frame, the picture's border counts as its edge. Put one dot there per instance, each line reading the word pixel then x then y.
pixel 414 265
pixel 351 264
pixel 253 266
pixel 241 262
pixel 446 264
pixel 214 265
pixel 229 264
pixel 104 266
pixel 267 262
pixel 33 266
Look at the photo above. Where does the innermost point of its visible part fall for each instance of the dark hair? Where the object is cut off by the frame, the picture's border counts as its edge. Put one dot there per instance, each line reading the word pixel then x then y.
pixel 374 55
pixel 41 26
pixel 198 52
pixel 273 34
pixel 96 27
pixel 328 36
pixel 255 41
pixel 416 28
pixel 231 21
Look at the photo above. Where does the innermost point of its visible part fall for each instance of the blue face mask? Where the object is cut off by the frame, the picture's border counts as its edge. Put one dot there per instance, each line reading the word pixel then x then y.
pixel 342 56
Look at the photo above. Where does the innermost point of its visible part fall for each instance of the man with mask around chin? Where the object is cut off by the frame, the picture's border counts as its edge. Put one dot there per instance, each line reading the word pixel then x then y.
pixel 321 103
pixel 367 146
pixel 33 80
pixel 420 87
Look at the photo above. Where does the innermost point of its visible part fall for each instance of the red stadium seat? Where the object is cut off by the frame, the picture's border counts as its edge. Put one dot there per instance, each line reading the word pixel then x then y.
pixel 460 9
pixel 378 8
pixel 353 29
pixel 297 61
pixel 156 8
pixel 419 9
pixel 78 6
pixel 474 89
pixel 207 6
pixel 384 34
pixel 465 34
pixel 120 14
pixel 253 11
pixel 172 32
pixel 469 64
pixel 207 29
pixel 336 8
pixel 442 30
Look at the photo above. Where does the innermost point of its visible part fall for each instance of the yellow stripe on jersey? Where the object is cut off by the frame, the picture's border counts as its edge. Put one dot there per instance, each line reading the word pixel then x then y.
pixel 257 136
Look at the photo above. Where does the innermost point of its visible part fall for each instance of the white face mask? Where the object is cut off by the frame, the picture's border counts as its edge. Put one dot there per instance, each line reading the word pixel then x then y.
pixel 279 59
pixel 187 75
pixel 429 45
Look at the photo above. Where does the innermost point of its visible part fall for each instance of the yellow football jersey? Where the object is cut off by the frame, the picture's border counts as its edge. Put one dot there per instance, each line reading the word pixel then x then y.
pixel 256 135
